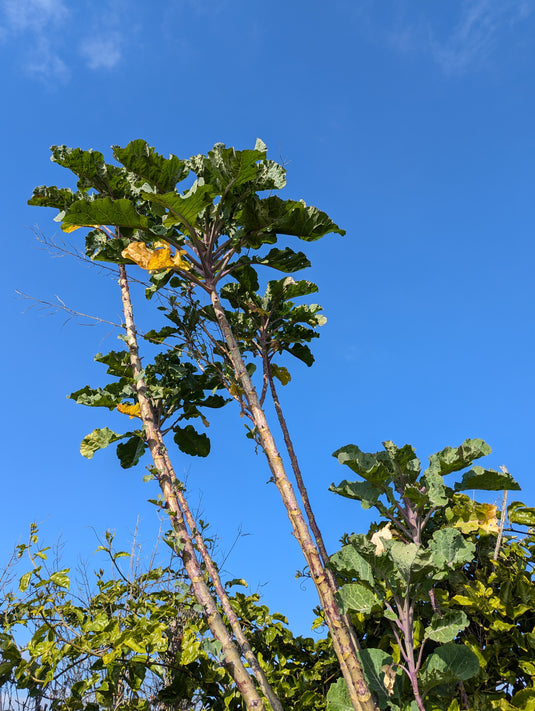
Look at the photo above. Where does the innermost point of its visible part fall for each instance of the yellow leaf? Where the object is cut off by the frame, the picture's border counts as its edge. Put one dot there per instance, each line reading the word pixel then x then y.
pixel 383 534
pixel 130 410
pixel 390 678
pixel 138 252
pixel 71 228
pixel 281 374
pixel 158 258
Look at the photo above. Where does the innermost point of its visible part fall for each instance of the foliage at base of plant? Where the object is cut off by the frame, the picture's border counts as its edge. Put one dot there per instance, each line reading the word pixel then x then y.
pixel 438 617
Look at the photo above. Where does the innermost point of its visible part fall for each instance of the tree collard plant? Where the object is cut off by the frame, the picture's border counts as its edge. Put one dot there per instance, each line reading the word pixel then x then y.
pixel 202 246
pixel 423 588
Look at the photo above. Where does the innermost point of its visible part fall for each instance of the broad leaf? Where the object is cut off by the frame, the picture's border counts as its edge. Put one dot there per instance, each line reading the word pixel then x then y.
pixel 131 451
pixel 273 216
pixel 191 442
pixel 444 629
pixel 348 560
pixel 487 480
pixel 98 439
pixel 449 663
pixel 523 515
pixel 355 597
pixel 142 160
pixel 449 549
pixel 453 459
pixel 105 211
pixel 183 209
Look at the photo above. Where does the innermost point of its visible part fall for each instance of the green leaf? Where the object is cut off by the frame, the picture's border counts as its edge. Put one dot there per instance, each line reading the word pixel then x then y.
pixel 183 209
pixel 487 480
pixel 105 211
pixel 338 698
pixel 446 628
pixel 142 160
pixel 94 397
pixel 302 352
pixel 191 442
pixel 348 560
pixel 228 170
pixel 403 555
pixel 521 514
pixel 51 196
pixel 355 597
pixel 453 459
pixel 524 699
pixel 451 662
pixel 449 549
pixel 272 216
pixel 285 260
pixel 130 452
pixel 61 579
pixel 360 490
pixel 25 581
pixel 98 439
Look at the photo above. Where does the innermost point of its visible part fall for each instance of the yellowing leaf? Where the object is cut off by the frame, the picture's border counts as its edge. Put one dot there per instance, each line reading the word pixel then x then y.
pixel 138 252
pixel 158 258
pixel 383 534
pixel 281 374
pixel 390 678
pixel 65 227
pixel 130 410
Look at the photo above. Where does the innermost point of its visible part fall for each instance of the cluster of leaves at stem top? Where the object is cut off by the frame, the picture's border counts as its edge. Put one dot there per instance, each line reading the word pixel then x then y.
pixel 197 226
pixel 425 587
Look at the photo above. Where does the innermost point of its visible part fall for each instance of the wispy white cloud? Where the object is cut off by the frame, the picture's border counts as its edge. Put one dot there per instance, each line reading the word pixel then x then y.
pixel 43 63
pixel 477 33
pixel 34 15
pixel 469 41
pixel 39 21
pixel 102 52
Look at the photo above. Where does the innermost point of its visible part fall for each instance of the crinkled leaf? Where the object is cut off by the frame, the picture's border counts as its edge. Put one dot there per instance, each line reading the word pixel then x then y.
pixel 449 663
pixel 363 491
pixel 487 480
pixel 523 515
pixel 51 196
pixel 98 439
pixel 280 373
pixel 285 260
pixel 349 561
pixel 228 169
pixel 355 597
pixel 142 160
pixel 453 459
pixel 271 216
pixel 94 397
pixel 183 209
pixel 444 629
pixel 302 352
pixel 105 211
pixel 449 549
pixel 191 442
pixel 131 451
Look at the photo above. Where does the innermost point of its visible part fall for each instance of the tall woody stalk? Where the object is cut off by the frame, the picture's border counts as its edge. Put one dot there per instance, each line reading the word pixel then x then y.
pixel 304 494
pixel 177 506
pixel 359 692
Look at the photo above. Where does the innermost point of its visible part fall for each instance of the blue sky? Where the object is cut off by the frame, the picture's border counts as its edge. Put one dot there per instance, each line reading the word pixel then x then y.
pixel 411 124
